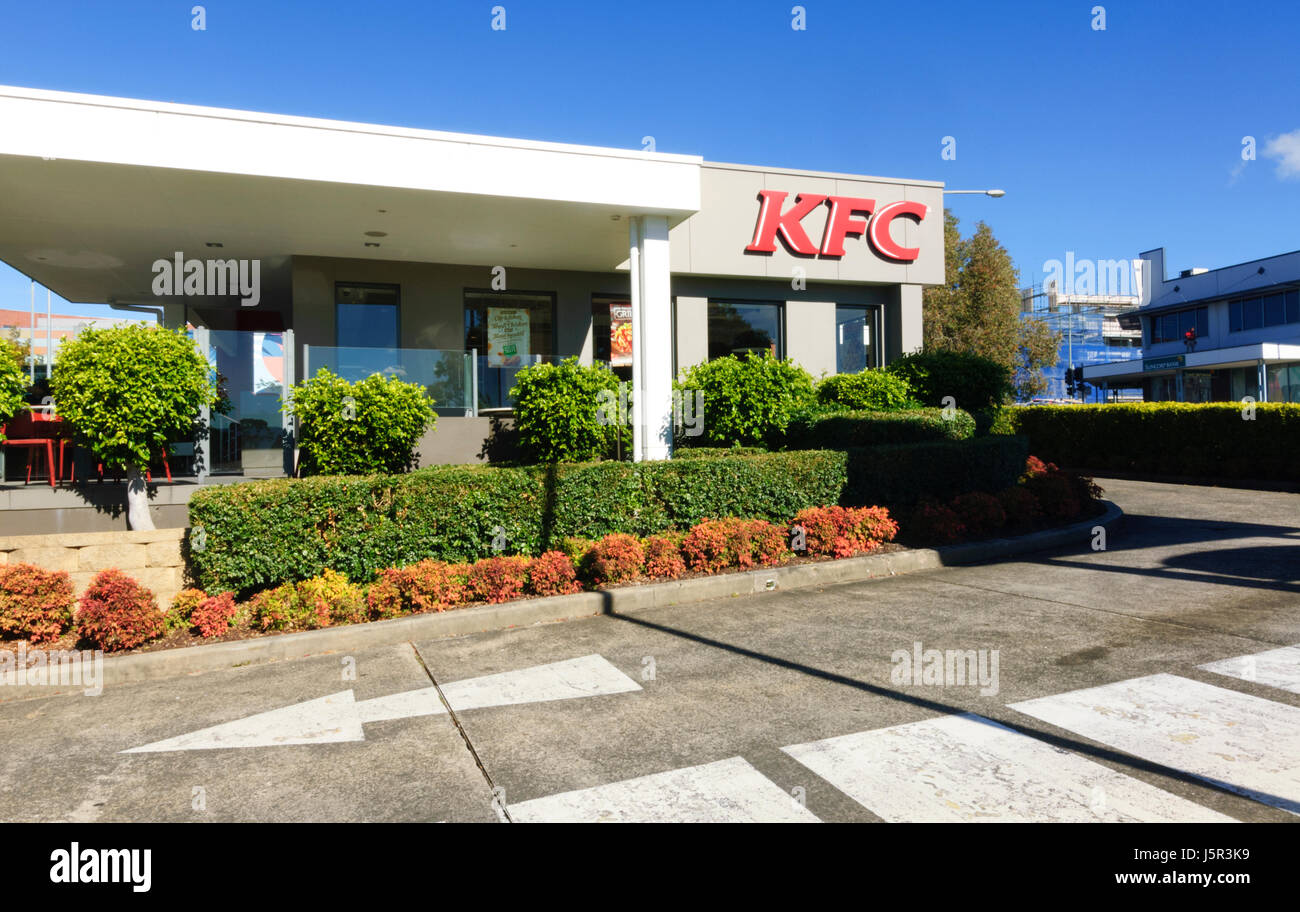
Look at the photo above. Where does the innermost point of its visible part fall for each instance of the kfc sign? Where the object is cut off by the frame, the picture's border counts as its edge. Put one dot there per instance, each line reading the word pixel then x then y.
pixel 840 223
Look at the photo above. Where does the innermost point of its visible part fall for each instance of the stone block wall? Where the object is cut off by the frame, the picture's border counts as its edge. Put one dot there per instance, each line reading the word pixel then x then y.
pixel 152 558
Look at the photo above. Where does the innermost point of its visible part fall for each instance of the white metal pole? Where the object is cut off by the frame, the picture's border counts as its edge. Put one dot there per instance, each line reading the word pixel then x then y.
pixel 638 339
pixel 49 336
pixel 31 339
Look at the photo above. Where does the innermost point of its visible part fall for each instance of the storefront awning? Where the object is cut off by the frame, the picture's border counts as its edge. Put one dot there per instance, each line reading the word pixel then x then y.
pixel 97 189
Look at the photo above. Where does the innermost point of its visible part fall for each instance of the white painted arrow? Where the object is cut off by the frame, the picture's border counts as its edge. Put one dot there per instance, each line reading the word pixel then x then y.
pixel 338 717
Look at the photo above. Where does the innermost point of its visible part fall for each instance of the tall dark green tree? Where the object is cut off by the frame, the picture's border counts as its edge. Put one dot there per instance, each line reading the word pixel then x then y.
pixel 977 309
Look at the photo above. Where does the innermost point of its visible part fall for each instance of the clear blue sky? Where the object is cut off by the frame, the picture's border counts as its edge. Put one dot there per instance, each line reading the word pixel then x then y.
pixel 1107 142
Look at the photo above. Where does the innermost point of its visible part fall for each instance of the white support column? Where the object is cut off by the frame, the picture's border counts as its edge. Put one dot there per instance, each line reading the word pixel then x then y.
pixel 652 364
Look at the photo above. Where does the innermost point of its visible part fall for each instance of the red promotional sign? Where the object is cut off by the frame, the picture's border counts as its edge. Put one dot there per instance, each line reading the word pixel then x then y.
pixel 840 224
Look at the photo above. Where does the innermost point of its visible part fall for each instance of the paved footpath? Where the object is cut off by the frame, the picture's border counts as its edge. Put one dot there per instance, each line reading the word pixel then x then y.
pixel 1157 680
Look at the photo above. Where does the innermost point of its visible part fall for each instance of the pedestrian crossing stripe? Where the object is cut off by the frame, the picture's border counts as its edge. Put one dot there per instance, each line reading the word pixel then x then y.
pixel 966 768
pixel 727 791
pixel 1275 668
pixel 1240 742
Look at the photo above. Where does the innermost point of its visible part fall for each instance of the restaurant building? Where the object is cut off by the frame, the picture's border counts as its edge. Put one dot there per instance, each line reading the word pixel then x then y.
pixel 1215 335
pixel 289 244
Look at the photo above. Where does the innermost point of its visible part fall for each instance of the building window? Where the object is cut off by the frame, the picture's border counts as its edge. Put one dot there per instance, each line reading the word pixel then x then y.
pixel 1173 327
pixel 856 338
pixel 367 316
pixel 510 330
pixel 736 327
pixel 1243 382
pixel 1283 382
pixel 1275 309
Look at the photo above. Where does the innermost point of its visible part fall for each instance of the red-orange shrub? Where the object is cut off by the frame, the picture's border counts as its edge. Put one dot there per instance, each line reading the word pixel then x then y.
pixel 552 573
pixel 871 525
pixel 935 524
pixel 717 544
pixel 116 612
pixel 1020 506
pixel 1035 467
pixel 843 532
pixel 663 557
pixel 616 558
pixel 497 579
pixel 35 603
pixel 333 598
pixel 215 615
pixel 426 586
pixel 980 513
pixel 1056 494
pixel 180 613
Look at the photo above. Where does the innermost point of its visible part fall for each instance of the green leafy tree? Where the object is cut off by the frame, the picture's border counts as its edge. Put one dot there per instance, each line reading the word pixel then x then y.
pixel 977 309
pixel 127 392
pixel 13 381
pixel 362 428
pixel 568 412
pixel 748 401
pixel 1038 347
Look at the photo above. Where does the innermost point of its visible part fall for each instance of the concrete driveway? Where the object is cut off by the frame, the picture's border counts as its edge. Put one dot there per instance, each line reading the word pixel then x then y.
pixel 1066 686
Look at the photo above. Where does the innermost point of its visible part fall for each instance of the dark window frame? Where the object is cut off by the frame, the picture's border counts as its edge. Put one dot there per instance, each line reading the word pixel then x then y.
pixel 875 312
pixel 782 316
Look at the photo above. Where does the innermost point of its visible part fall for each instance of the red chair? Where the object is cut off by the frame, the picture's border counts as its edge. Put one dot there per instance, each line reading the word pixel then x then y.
pixel 117 475
pixel 36 431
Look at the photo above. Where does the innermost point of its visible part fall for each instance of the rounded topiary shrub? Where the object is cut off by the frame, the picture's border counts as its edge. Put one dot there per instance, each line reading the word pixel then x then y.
pixel 873 389
pixel 972 381
pixel 35 603
pixel 568 412
pixel 748 401
pixel 116 613
pixel 180 614
pixel 362 428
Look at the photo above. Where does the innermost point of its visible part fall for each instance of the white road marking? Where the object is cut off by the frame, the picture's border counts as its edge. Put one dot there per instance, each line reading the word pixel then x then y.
pixel 1276 668
pixel 965 768
pixel 1246 744
pixel 728 791
pixel 338 718
pixel 319 721
pixel 588 676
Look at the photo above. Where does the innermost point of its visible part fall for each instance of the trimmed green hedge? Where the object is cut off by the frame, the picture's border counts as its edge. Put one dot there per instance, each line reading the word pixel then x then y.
pixel 902 476
pixel 836 430
pixel 1167 438
pixel 263 533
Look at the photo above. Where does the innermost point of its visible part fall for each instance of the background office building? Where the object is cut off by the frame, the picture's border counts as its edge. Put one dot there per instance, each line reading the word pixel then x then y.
pixel 1094 329
pixel 1215 335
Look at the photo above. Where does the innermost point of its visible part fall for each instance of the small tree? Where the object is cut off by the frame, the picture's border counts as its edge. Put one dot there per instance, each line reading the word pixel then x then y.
pixel 362 428
pixel 127 392
pixel 13 381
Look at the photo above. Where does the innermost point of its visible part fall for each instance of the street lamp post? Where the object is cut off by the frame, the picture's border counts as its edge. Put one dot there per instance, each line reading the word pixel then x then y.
pixel 996 194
